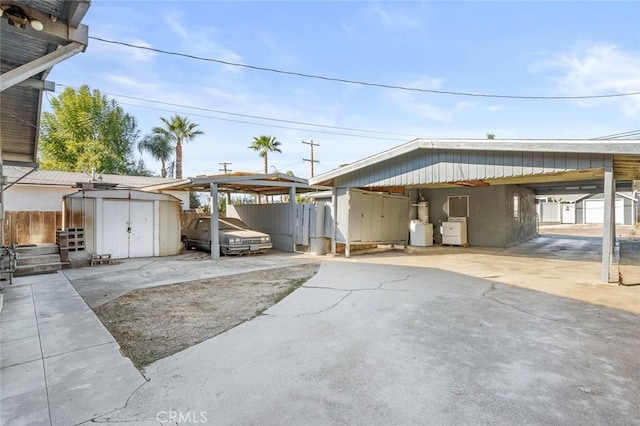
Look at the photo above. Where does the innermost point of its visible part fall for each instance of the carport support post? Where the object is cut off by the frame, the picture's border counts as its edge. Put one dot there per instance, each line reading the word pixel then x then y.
pixel 334 200
pixel 213 227
pixel 294 219
pixel 608 226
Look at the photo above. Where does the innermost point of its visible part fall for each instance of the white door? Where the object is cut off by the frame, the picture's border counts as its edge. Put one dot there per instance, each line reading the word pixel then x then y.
pixel 140 228
pixel 127 228
pixel 594 211
pixel 115 224
pixel 568 213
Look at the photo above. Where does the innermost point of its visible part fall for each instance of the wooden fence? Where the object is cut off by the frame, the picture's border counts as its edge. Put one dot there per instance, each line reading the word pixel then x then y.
pixel 31 227
pixel 39 227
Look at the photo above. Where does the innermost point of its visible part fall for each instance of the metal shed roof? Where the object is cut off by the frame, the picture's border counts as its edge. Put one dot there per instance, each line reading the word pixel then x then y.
pixel 26 57
pixel 262 184
pixel 425 162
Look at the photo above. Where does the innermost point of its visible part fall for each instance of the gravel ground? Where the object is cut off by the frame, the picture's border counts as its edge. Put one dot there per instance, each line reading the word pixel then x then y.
pixel 153 323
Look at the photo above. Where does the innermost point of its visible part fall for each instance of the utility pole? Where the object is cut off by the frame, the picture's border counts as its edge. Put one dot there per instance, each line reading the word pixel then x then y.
pixel 311 144
pixel 224 167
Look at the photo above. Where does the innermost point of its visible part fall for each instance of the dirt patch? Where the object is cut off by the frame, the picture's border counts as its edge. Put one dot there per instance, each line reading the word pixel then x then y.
pixel 153 323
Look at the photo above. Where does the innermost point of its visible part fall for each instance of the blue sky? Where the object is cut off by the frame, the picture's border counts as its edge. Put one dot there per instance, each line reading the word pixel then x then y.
pixel 510 48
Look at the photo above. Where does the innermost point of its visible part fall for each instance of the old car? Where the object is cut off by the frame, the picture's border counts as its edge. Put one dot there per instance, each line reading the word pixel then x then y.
pixel 234 235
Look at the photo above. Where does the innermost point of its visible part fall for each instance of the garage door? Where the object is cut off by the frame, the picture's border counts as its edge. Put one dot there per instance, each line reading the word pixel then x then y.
pixel 594 211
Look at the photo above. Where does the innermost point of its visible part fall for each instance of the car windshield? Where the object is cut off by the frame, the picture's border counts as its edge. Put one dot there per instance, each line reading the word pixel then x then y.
pixel 229 223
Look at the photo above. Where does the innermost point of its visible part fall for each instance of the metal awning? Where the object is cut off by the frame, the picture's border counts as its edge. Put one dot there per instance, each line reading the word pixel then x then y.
pixel 242 182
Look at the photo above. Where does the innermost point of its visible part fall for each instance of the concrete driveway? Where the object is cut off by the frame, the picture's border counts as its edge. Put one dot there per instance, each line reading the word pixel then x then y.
pixel 362 343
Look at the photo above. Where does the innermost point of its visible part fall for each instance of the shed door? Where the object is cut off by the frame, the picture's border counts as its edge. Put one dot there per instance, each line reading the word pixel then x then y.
pixel 141 229
pixel 594 211
pixel 115 238
pixel 127 228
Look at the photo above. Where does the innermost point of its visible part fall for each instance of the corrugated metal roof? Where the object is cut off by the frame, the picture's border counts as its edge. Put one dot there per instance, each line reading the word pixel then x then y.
pixel 70 179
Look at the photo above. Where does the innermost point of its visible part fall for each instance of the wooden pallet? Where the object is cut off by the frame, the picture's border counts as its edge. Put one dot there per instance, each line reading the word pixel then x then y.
pixel 455 245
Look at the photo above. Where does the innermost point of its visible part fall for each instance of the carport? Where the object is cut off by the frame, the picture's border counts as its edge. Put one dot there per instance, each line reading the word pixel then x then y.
pixel 503 175
pixel 261 185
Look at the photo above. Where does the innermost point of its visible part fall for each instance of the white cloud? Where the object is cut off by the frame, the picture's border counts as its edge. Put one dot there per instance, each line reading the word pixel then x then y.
pixel 392 18
pixel 123 80
pixel 176 26
pixel 413 102
pixel 141 54
pixel 596 69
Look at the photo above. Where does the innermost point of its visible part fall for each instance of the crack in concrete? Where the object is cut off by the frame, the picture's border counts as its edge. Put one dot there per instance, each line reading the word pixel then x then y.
pixel 326 309
pixel 108 420
pixel 379 287
pixel 516 307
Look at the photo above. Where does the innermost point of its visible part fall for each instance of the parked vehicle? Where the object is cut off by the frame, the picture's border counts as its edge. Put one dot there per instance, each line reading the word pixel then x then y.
pixel 234 235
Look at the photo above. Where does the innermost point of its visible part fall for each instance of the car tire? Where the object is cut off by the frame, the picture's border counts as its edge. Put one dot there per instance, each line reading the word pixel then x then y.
pixel 185 243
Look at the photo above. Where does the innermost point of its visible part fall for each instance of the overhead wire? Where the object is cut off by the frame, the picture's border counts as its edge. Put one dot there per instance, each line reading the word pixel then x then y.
pixel 621 135
pixel 359 82
pixel 237 114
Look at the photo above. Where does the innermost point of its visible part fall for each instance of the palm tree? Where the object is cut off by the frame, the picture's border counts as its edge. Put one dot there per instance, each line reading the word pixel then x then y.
pixel 160 148
pixel 178 129
pixel 265 144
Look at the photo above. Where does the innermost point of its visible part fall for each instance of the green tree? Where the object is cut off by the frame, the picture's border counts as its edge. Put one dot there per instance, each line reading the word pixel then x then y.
pixel 86 130
pixel 265 144
pixel 160 148
pixel 178 129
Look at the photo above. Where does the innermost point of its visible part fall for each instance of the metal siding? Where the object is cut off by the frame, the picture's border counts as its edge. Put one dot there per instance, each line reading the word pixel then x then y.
pixel 428 166
pixel 560 162
pixel 538 162
pixel 489 161
pixel 584 161
pixel 548 161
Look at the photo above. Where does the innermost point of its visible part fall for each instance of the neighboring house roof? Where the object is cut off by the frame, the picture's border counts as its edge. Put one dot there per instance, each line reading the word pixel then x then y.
pixel 70 179
pixel 426 161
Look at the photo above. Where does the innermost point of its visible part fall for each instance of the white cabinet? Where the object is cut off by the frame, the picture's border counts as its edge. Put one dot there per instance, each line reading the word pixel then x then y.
pixel 454 233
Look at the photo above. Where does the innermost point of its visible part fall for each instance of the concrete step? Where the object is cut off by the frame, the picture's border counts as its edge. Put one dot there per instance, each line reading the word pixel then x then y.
pixel 38 250
pixel 36 260
pixel 42 268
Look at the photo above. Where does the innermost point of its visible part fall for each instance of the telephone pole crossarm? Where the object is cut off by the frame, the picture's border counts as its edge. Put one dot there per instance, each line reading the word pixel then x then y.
pixel 311 145
pixel 224 167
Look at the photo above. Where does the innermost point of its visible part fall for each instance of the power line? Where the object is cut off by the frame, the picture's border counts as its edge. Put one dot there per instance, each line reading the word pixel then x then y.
pixel 363 83
pixel 629 134
pixel 237 114
pixel 257 117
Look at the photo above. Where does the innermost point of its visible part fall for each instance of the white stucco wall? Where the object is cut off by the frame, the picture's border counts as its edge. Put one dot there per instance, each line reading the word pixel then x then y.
pixel 49 198
pixel 35 198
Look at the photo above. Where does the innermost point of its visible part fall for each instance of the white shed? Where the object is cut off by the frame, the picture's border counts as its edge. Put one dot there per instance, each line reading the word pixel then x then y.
pixel 125 223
